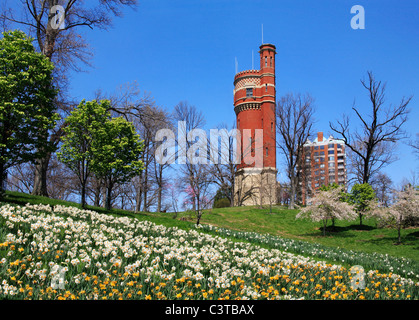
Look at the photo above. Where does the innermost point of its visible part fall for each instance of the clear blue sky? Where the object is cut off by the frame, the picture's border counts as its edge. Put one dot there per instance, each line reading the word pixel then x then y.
pixel 185 50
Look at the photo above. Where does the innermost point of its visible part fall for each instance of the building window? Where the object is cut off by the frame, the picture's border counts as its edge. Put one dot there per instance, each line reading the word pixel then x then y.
pixel 271 62
pixel 332 158
pixel 331 151
pixel 331 145
pixel 266 151
pixel 316 148
pixel 266 61
pixel 266 87
pixel 322 153
pixel 321 147
pixel 249 92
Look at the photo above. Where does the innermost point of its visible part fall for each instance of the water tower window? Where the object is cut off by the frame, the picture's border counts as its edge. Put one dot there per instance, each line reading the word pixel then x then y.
pixel 266 87
pixel 271 61
pixel 249 92
pixel 266 61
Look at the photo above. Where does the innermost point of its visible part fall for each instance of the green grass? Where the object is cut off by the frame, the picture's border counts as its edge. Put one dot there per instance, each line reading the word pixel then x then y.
pixel 346 234
pixel 281 222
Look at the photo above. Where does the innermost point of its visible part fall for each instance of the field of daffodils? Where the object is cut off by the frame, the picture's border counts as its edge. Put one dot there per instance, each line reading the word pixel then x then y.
pixel 67 253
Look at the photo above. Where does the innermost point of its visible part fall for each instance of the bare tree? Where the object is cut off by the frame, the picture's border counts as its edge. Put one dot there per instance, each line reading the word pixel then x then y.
pixel 20 177
pixel 62 183
pixel 294 126
pixel 415 145
pixel 382 185
pixel 57 38
pixel 223 168
pixel 153 118
pixel 372 146
pixel 96 190
pixel 174 190
pixel 193 169
pixel 267 191
pixel 282 193
pixel 148 118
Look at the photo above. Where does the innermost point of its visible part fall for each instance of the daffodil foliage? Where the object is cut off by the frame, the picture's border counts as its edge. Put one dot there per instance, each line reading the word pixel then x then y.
pixel 66 253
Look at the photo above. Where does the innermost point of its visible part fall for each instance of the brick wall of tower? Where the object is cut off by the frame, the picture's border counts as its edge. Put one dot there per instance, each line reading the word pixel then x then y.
pixel 257 111
pixel 254 105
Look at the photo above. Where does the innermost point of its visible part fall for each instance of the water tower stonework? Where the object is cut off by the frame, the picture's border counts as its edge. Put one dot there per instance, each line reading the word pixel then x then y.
pixel 254 105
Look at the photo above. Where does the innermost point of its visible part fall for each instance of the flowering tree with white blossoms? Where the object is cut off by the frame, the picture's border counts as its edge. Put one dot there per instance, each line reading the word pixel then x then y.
pixel 326 205
pixel 406 206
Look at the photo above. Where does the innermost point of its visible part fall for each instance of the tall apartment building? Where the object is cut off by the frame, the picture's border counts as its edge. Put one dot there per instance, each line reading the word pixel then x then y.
pixel 324 162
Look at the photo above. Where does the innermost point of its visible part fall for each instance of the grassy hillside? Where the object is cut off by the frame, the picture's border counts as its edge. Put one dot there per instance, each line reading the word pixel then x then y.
pixel 345 234
pixel 281 222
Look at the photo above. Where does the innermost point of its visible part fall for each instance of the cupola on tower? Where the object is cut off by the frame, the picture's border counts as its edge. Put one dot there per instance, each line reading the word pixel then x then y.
pixel 254 105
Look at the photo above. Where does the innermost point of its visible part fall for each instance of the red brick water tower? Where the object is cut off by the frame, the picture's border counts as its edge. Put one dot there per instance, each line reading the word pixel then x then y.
pixel 254 104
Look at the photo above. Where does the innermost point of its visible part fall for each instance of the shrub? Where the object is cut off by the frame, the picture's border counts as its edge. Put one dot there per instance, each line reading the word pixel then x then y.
pixel 222 203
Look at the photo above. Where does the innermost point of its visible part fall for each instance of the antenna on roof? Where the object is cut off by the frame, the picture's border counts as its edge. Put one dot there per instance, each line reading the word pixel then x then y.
pixel 262 33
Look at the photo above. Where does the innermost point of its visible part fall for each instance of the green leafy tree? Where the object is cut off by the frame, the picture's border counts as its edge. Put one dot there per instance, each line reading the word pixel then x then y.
pixel 80 129
pixel 26 108
pixel 116 152
pixel 360 197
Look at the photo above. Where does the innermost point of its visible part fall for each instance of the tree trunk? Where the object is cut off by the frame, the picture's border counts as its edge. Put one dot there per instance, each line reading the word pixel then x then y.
pixel 83 195
pixel 40 180
pixel 198 217
pixel 159 180
pixel 109 187
pixel 159 198
pixel 145 191
pixel 291 204
pixel 2 180
pixel 324 227
pixel 138 199
pixel 41 168
pixel 399 226
pixel 97 192
pixel 198 211
pixel 139 194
